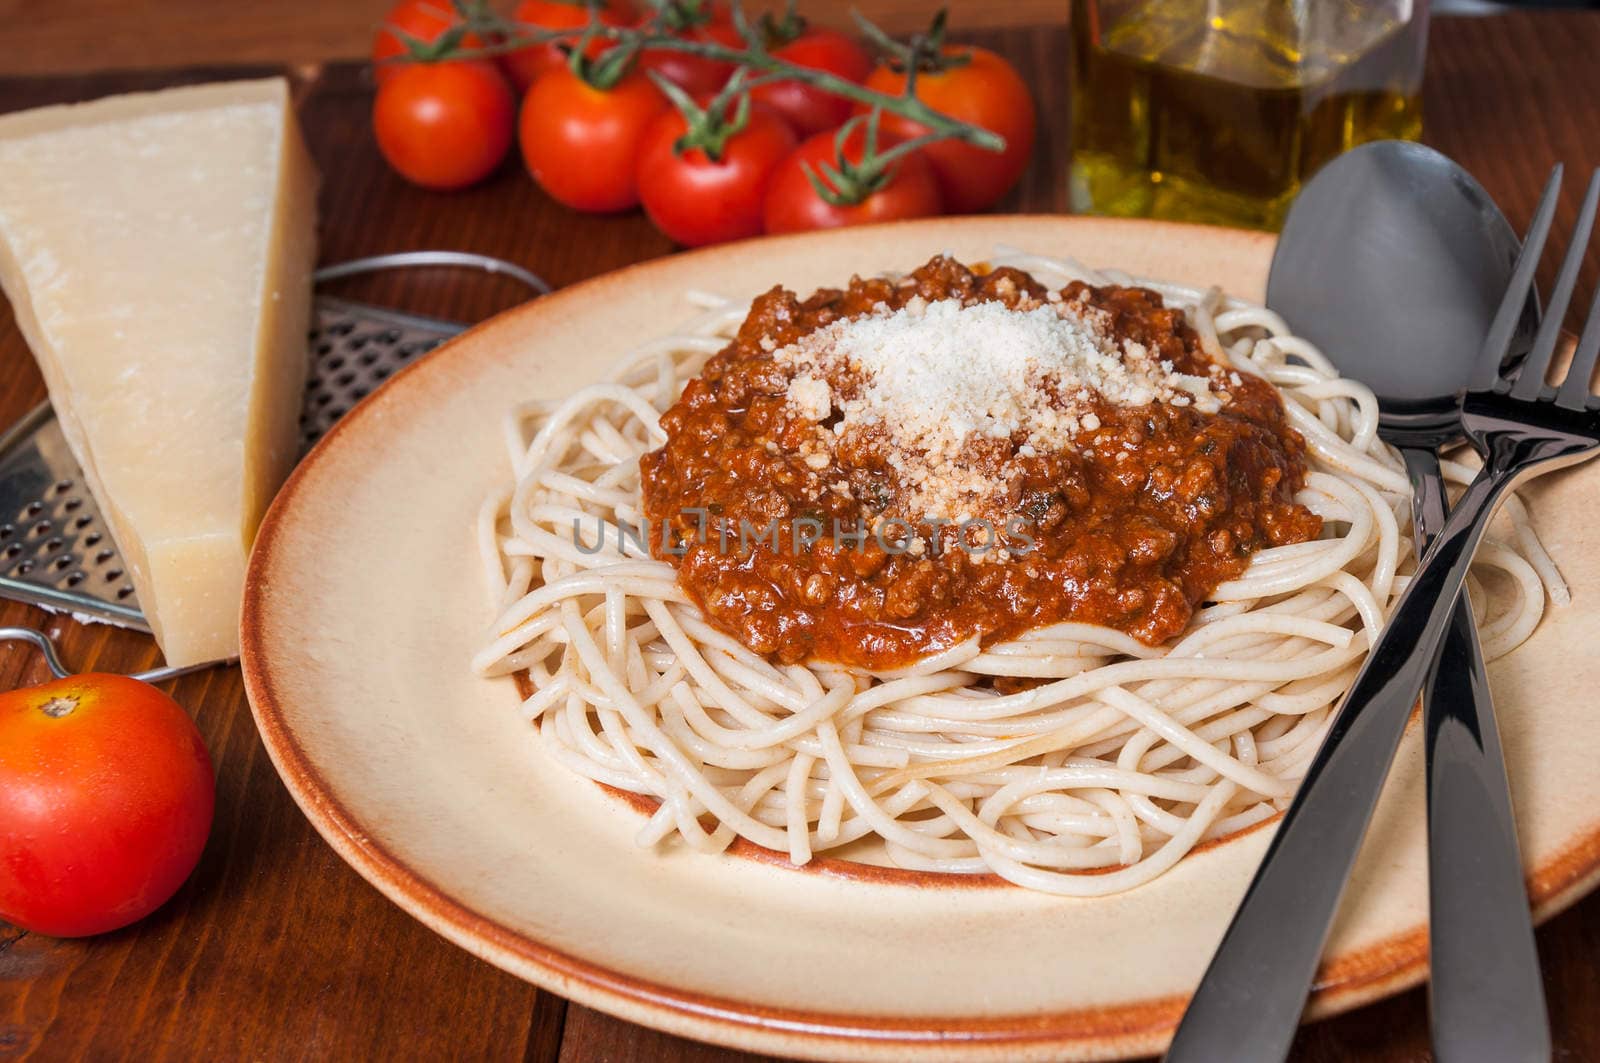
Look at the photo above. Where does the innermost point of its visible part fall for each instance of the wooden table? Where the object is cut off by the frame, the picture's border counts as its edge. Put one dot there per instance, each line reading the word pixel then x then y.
pixel 86 35
pixel 276 950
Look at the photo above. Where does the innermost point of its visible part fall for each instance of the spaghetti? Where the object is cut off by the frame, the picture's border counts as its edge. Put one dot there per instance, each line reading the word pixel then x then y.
pixel 1072 758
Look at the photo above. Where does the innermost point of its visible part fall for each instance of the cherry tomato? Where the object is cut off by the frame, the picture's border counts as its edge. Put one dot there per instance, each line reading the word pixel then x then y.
pixel 695 74
pixel 697 200
pixel 985 91
pixel 106 796
pixel 425 20
pixel 582 143
pixel 445 125
pixel 807 108
pixel 524 65
pixel 792 203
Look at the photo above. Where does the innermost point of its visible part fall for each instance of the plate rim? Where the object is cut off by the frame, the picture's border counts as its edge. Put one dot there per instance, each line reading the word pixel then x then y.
pixel 1113 1032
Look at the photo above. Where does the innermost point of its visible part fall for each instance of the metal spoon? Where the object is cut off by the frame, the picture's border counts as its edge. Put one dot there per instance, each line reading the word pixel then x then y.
pixel 1392 262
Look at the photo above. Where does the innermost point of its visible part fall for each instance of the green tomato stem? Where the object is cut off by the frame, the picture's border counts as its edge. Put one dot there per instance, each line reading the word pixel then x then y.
pixel 512 36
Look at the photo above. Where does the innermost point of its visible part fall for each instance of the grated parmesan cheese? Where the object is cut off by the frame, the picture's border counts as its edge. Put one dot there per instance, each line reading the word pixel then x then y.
pixel 931 378
pixel 810 397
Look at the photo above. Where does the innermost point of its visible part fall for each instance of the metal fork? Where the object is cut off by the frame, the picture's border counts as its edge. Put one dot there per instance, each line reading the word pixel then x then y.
pixel 1248 1005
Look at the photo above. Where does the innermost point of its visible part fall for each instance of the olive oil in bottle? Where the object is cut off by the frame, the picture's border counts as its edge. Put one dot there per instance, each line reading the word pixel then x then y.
pixel 1217 110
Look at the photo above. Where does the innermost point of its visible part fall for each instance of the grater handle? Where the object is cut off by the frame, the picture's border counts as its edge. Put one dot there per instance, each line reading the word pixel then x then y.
pixel 43 643
pixel 411 259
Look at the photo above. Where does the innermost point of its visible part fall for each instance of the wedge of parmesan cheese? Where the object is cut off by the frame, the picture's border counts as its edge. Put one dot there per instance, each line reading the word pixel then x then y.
pixel 157 251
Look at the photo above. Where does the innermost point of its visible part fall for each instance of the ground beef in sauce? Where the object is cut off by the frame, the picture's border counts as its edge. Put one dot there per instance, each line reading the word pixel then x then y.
pixel 1131 527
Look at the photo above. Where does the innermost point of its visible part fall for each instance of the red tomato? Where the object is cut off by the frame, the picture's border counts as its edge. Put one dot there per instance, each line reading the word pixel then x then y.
pixel 695 74
pixel 524 65
pixel 696 200
pixel 986 91
pixel 582 143
pixel 792 203
pixel 426 20
pixel 445 125
pixel 106 796
pixel 809 109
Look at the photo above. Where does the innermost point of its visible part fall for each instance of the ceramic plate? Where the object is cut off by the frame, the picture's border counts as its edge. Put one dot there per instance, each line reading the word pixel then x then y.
pixel 365 601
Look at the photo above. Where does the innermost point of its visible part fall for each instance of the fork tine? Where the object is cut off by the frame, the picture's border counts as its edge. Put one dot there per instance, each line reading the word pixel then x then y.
pixel 1574 393
pixel 1530 382
pixel 1498 340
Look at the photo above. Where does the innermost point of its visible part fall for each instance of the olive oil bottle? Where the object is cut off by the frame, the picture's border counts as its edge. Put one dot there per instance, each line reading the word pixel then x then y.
pixel 1217 110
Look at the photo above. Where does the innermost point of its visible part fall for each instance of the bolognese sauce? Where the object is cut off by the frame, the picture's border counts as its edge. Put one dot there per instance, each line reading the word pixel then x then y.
pixel 1118 486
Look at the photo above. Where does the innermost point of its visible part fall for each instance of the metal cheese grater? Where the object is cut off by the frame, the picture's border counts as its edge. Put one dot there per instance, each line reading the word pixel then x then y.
pixel 55 548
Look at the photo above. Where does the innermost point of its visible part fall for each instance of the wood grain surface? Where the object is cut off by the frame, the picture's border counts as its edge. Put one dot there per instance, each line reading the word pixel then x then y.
pixel 64 36
pixel 275 949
